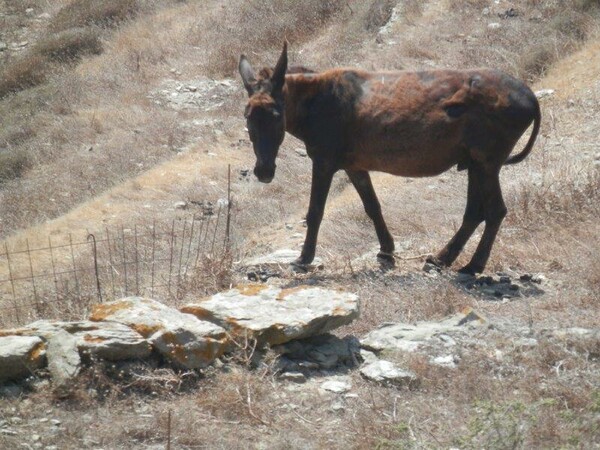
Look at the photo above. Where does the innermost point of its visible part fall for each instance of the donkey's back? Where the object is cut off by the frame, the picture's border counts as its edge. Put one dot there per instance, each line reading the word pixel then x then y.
pixel 416 123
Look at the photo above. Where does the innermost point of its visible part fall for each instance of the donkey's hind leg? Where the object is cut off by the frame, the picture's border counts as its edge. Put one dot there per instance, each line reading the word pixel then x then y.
pixel 472 218
pixel 494 211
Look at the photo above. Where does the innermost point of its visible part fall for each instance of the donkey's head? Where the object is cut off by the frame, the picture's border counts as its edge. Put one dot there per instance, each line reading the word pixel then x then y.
pixel 265 113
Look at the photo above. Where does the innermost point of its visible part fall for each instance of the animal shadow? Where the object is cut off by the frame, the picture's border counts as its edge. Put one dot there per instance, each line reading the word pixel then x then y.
pixel 499 286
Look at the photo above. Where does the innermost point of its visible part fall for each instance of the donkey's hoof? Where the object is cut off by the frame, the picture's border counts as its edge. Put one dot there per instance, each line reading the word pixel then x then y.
pixel 298 265
pixel 435 261
pixel 470 270
pixel 386 259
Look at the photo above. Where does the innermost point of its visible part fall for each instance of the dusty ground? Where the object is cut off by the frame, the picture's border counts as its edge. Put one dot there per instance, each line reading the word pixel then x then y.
pixel 502 394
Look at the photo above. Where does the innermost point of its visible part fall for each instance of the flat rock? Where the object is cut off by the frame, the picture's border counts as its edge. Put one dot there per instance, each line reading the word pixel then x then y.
pixel 386 372
pixel 20 355
pixel 280 259
pixel 112 341
pixel 64 361
pixel 408 337
pixel 337 385
pixel 181 338
pixel 295 377
pixel 272 315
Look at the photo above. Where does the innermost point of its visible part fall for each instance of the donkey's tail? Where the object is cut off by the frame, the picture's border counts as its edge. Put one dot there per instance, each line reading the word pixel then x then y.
pixel 536 128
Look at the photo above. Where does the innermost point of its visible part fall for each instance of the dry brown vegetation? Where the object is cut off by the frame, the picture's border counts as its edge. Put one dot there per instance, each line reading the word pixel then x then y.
pixel 84 144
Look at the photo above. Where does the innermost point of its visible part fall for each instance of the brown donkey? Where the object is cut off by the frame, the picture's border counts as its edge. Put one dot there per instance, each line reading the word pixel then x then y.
pixel 414 124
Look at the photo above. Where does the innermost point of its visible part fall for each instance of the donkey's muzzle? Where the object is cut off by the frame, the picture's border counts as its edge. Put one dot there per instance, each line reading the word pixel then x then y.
pixel 264 174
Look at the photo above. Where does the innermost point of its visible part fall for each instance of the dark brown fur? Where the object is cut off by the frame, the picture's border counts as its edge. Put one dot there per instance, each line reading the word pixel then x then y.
pixel 413 124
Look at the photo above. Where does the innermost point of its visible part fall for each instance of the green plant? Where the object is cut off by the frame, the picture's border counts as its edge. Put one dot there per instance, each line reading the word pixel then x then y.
pixel 498 426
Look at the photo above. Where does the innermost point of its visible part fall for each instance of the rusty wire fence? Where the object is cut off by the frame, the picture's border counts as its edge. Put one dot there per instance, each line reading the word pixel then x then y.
pixel 63 278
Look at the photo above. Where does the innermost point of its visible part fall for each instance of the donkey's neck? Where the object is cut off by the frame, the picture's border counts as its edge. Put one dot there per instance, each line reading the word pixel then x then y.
pixel 297 93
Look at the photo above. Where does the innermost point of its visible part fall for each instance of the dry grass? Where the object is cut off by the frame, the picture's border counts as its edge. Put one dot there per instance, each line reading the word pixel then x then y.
pixel 539 397
pixel 22 74
pixel 379 14
pixel 69 45
pixel 12 165
pixel 256 28
pixel 82 13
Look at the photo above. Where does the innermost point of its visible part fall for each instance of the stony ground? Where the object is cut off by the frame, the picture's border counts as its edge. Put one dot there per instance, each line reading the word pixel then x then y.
pixel 526 377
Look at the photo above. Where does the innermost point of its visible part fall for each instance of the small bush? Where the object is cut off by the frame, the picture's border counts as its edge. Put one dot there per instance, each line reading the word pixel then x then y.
pixel 379 14
pixel 257 26
pixel 103 13
pixel 12 165
pixel 571 25
pixel 536 59
pixel 24 73
pixel 69 45
pixel 588 5
pixel 33 68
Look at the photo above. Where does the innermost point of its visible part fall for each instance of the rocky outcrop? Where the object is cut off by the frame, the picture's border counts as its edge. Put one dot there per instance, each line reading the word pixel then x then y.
pixel 131 328
pixel 181 338
pixel 20 356
pixel 111 341
pixel 408 337
pixel 273 315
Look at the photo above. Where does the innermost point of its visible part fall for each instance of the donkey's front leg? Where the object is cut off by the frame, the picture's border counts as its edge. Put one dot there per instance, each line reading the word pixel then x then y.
pixel 322 175
pixel 362 182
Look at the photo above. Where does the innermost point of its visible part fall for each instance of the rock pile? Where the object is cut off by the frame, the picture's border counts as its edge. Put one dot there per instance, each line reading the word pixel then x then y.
pixel 190 338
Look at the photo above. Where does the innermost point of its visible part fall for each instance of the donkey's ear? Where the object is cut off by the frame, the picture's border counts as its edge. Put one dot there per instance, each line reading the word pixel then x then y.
pixel 247 74
pixel 278 78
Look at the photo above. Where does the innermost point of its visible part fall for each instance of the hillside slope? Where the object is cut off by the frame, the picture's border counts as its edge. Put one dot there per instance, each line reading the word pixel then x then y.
pixel 117 139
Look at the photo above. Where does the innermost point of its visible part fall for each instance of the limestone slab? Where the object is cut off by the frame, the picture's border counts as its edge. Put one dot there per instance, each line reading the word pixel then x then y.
pixel 409 337
pixel 20 355
pixel 112 341
pixel 182 338
pixel 273 315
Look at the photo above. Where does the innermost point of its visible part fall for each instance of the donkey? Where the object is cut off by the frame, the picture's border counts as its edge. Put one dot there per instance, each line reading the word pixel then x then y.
pixel 412 124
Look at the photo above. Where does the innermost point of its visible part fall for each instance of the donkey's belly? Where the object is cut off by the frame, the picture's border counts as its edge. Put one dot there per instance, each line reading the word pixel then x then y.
pixel 422 157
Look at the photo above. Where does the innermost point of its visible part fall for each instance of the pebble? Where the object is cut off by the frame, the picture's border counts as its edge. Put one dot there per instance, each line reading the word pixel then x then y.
pixel 338 406
pixel 539 278
pixel 445 361
pixel 295 377
pixel 336 386
pixel 542 93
